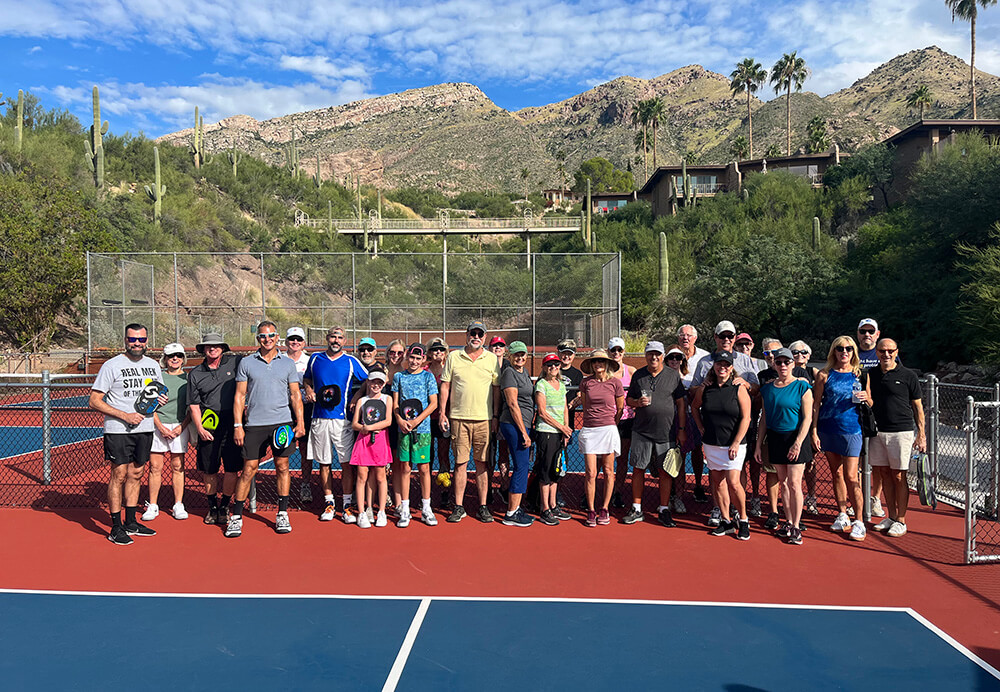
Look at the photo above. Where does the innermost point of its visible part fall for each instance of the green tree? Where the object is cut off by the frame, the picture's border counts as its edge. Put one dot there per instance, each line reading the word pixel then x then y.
pixel 773 151
pixel 525 174
pixel 604 177
pixel 874 164
pixel 920 98
pixel 819 139
pixel 747 77
pixel 969 10
pixel 789 71
pixel 980 305
pixel 739 148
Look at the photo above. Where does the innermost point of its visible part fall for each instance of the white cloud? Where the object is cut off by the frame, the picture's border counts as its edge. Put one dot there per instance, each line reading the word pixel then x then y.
pixel 322 68
pixel 34 49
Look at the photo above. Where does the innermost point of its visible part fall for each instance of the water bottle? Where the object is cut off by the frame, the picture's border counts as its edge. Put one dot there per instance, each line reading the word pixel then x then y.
pixel 446 428
pixel 855 390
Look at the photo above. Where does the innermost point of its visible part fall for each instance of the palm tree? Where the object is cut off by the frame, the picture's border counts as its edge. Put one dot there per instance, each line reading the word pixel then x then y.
pixel 968 9
pixel 748 76
pixel 920 98
pixel 789 71
pixel 738 148
pixel 640 119
pixel 657 115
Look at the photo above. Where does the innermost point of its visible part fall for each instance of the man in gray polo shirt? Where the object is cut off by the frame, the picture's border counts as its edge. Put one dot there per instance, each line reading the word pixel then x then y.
pixel 266 383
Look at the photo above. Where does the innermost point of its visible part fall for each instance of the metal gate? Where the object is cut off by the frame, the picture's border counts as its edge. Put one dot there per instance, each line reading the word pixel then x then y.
pixel 982 480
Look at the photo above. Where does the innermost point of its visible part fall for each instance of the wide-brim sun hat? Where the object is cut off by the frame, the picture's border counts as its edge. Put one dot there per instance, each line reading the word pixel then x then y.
pixel 211 339
pixel 598 354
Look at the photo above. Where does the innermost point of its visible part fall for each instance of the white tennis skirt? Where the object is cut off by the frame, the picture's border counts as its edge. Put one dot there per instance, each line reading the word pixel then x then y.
pixel 178 445
pixel 718 458
pixel 601 440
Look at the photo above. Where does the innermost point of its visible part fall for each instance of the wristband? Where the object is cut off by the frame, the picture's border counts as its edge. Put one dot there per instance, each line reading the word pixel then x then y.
pixel 237 425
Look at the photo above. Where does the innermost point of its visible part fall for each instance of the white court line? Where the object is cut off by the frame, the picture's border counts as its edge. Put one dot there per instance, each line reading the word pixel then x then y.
pixel 404 651
pixel 505 599
pixel 54 447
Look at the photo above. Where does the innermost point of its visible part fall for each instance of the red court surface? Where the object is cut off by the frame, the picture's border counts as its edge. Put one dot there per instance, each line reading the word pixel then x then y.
pixel 67 550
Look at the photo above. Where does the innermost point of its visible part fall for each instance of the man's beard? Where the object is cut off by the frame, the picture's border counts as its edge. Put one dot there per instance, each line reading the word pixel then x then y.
pixel 335 347
pixel 137 351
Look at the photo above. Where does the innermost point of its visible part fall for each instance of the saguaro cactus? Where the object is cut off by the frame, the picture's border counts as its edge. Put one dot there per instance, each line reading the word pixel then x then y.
pixel 815 233
pixel 318 178
pixel 198 144
pixel 292 156
pixel 19 124
pixel 157 192
pixel 95 144
pixel 664 266
pixel 234 158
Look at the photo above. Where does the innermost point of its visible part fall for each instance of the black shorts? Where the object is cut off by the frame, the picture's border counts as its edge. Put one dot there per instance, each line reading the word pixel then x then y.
pixel 258 438
pixel 435 428
pixel 778 444
pixel 548 449
pixel 625 428
pixel 128 448
pixel 393 439
pixel 222 449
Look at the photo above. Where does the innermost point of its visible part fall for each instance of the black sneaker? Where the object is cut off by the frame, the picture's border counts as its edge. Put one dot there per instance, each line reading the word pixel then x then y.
pixel 634 516
pixel 447 504
pixel 457 515
pixel 560 500
pixel 119 536
pixel 483 514
pixel 616 501
pixel 666 519
pixel 138 529
pixel 784 529
pixel 210 518
pixel 795 536
pixel 772 521
pixel 699 494
pixel 743 532
pixel 721 530
pixel 548 518
pixel 518 518
pixel 802 527
pixel 222 516
pixel 561 514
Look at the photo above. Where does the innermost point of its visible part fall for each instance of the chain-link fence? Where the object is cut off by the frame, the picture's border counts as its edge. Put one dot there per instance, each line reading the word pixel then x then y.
pixel 535 298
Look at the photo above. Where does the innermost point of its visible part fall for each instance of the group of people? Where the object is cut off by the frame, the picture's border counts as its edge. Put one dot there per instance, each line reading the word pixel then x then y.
pixel 729 411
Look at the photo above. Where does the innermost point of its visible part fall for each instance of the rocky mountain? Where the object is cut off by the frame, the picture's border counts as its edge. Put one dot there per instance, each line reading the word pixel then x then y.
pixel 455 137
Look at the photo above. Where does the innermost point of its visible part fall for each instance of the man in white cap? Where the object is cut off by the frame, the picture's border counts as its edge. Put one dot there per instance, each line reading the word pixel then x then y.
pixel 295 345
pixel 868 335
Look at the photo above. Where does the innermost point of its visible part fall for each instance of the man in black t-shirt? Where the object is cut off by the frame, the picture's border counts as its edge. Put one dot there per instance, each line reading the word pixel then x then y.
pixel 895 394
pixel 657 395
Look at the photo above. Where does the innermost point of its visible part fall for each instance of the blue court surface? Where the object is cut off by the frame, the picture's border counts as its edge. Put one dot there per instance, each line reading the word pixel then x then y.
pixel 161 641
pixel 19 440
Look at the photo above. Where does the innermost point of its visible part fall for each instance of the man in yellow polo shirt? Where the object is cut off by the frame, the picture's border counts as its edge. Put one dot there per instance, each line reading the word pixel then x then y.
pixel 470 381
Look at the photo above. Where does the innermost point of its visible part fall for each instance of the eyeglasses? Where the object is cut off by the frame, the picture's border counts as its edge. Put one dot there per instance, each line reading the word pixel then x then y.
pixel 866 331
pixel 675 357
pixel 293 339
pixel 767 353
pixel 886 351
pixel 519 355
pixel 800 353
pixel 728 336
pixel 844 349
pixel 366 349
pixel 272 335
pixel 618 349
pixel 396 353
pixel 438 349
pixel 135 339
pixel 477 333
pixel 783 363
pixel 552 365
pixel 174 355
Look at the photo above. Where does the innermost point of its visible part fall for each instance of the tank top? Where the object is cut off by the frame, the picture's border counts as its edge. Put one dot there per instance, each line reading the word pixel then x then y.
pixel 838 414
pixel 626 378
pixel 720 413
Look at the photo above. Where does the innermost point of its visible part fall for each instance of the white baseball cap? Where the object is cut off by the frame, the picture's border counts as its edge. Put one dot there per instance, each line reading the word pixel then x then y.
pixel 725 326
pixel 616 341
pixel 173 348
pixel 868 322
pixel 295 331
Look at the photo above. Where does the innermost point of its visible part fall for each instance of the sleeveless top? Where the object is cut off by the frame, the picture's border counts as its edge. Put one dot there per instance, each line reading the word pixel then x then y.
pixel 626 378
pixel 838 414
pixel 720 413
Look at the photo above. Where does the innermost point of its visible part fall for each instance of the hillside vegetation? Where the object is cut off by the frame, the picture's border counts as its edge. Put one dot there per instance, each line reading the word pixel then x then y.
pixel 926 269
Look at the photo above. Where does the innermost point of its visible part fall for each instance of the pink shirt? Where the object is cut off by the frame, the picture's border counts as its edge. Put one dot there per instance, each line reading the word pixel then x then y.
pixel 600 407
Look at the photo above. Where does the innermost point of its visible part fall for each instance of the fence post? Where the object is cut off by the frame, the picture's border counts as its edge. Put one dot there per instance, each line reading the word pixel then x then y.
pixel 994 498
pixel 970 445
pixel 46 428
pixel 932 425
pixel 866 482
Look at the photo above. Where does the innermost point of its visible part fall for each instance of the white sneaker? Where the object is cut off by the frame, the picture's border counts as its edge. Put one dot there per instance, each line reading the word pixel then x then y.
pixel 404 519
pixel 305 493
pixel 841 523
pixel 179 511
pixel 350 516
pixel 329 512
pixel 380 519
pixel 858 531
pixel 282 524
pixel 371 515
pixel 427 516
pixel 363 522
pixel 677 505
pixel 235 527
pixel 152 511
pixel 877 510
pixel 897 529
pixel 884 525
pixel 850 511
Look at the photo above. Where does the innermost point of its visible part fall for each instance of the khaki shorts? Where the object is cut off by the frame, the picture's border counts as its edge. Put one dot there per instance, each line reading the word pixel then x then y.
pixel 327 434
pixel 470 435
pixel 891 449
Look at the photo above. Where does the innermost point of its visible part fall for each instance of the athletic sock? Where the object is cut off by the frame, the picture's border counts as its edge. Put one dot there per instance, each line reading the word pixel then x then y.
pixel 236 508
pixel 661 508
pixel 425 504
pixel 282 503
pixel 116 518
pixel 348 500
pixel 637 506
pixel 213 501
pixel 328 498
pixel 404 505
pixel 130 515
pixel 226 499
pixel 510 514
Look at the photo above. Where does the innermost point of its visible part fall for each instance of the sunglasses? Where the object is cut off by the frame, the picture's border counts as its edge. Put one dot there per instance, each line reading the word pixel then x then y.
pixel 887 351
pixel 783 363
pixel 866 331
pixel 553 365
pixel 135 339
pixel 272 335
pixel 477 334
pixel 295 338
pixel 366 349
pixel 438 349
pixel 844 349
pixel 174 355
pixel 800 353
pixel 728 336
pixel 675 357
pixel 618 349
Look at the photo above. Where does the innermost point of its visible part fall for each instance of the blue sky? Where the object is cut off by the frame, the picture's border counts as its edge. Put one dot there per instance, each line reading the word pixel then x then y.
pixel 155 60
